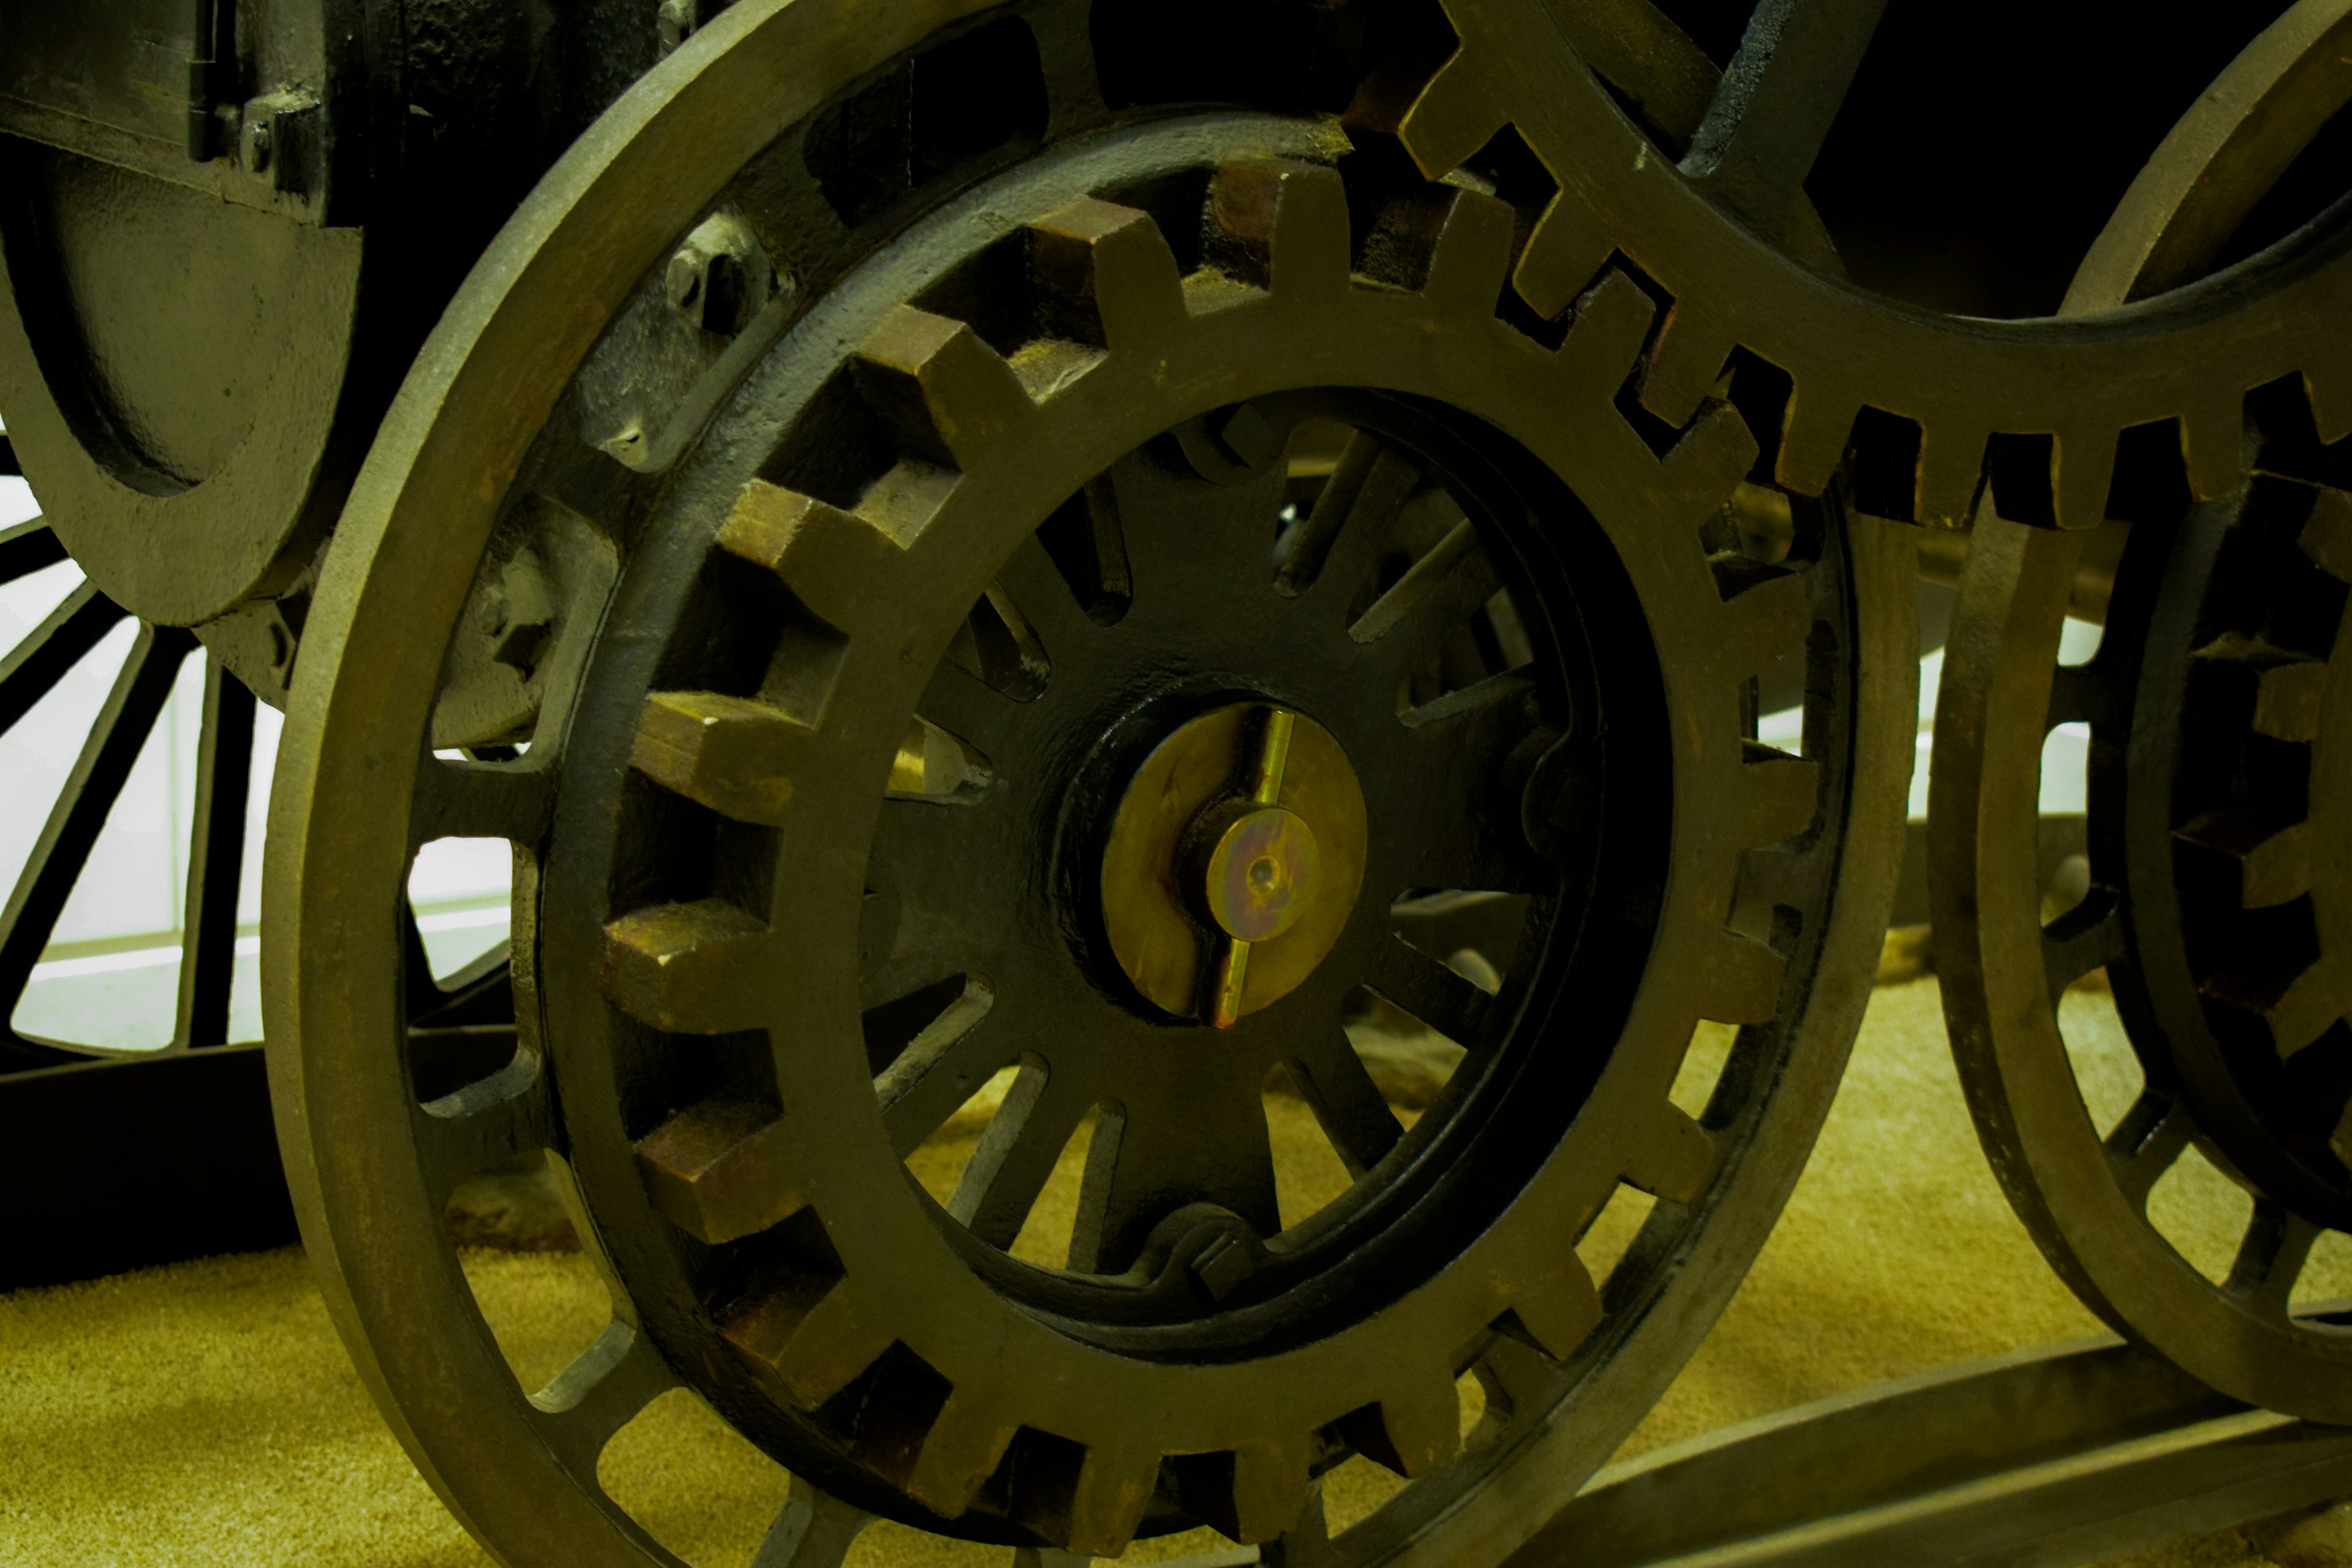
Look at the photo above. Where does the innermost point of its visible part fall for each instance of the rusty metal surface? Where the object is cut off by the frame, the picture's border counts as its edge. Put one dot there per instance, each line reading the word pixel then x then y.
pixel 611 216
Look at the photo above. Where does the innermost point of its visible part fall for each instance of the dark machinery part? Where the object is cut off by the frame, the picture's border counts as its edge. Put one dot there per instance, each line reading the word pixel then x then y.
pixel 226 230
pixel 1068 435
pixel 2216 709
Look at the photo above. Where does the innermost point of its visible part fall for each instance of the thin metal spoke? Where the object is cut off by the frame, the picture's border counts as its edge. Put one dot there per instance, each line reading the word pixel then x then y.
pixel 485 1124
pixel 1354 515
pixel 1043 598
pixel 942 1067
pixel 1348 1104
pixel 2144 1144
pixel 815 1529
pixel 1307 1544
pixel 482 800
pixel 1016 1157
pixel 215 860
pixel 2088 937
pixel 1784 88
pixel 123 724
pixel 1424 987
pixel 972 711
pixel 1156 1157
pixel 34 667
pixel 2270 1256
pixel 27 548
pixel 600 1393
pixel 1439 592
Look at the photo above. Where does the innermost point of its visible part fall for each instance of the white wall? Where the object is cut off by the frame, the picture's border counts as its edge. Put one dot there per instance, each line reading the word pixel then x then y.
pixel 111 975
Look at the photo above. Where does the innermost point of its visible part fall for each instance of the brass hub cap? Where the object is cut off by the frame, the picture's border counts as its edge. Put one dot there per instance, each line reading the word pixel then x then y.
pixel 1235 857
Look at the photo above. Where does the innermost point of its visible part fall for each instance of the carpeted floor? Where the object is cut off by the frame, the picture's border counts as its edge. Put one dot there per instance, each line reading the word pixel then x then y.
pixel 204 1413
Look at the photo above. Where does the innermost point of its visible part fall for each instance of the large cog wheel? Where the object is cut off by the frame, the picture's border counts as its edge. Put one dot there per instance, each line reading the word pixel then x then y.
pixel 2215 894
pixel 906 594
pixel 1931 407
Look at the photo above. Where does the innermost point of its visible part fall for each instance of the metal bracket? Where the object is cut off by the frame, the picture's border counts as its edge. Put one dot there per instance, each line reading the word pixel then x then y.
pixel 2064 1455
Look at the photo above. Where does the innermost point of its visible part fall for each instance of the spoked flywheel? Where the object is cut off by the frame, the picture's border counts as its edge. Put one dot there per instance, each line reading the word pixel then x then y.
pixel 1105 572
pixel 2217 703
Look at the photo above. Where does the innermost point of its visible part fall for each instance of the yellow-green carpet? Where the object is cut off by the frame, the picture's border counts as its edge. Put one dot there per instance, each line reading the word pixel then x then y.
pixel 204 1413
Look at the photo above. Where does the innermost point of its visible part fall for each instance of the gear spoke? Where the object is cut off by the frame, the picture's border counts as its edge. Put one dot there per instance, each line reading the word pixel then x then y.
pixel 943 1065
pixel 815 1529
pixel 1353 517
pixel 484 1124
pixel 27 548
pixel 116 738
pixel 41 659
pixel 1772 113
pixel 601 1392
pixel 1016 1157
pixel 1347 1103
pixel 1151 1159
pixel 1437 592
pixel 2146 1142
pixel 1427 989
pixel 2086 938
pixel 2271 1257
pixel 1047 600
pixel 215 860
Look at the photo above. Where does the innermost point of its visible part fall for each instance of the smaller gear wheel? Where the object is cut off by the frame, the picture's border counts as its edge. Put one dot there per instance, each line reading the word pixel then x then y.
pixel 2239 911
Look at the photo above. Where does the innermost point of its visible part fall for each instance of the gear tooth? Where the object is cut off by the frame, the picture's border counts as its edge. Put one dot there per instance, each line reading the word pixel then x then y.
pixel 2293 1012
pixel 1685 364
pixel 1816 431
pixel 1710 459
pixel 691 968
pixel 1783 793
pixel 1674 1158
pixel 944 393
pixel 714 1169
pixel 1455 114
pixel 841 567
pixel 2082 469
pixel 2327 534
pixel 2262 867
pixel 1612 320
pixel 2213 443
pixel 1114 1487
pixel 1554 1305
pixel 1106 275
pixel 961 1451
pixel 1767 619
pixel 1413 1431
pixel 1567 248
pixel 1270 1481
pixel 2288 700
pixel 1738 980
pixel 734 755
pixel 1280 225
pixel 2328 386
pixel 1472 251
pixel 1950 479
pixel 810 1334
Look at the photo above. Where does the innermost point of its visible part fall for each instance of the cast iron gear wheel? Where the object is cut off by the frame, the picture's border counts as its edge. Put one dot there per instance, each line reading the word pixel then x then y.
pixel 2215 707
pixel 812 802
pixel 1930 408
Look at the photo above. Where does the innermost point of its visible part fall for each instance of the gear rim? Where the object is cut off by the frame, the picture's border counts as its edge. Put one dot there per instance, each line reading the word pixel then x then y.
pixel 513 799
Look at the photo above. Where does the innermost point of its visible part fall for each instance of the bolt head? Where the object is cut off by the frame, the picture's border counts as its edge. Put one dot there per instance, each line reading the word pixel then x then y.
pixel 1260 871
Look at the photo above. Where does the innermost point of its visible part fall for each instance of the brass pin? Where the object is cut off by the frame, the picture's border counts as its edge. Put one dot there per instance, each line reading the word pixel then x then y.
pixel 1232 969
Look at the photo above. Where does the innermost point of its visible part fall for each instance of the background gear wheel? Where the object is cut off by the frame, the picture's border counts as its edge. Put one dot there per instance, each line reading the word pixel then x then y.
pixel 2205 925
pixel 1932 409
pixel 882 502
